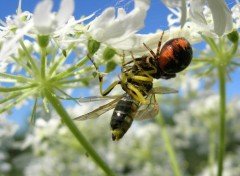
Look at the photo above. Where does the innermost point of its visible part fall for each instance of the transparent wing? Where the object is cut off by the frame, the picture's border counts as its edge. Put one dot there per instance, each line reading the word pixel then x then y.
pixel 162 90
pixel 149 110
pixel 99 111
pixel 97 98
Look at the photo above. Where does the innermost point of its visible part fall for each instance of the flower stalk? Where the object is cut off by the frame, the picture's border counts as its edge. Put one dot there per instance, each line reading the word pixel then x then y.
pixel 223 53
pixel 222 89
pixel 74 130
pixel 168 145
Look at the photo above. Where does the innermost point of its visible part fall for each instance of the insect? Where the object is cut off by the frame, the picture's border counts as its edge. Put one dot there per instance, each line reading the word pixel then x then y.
pixel 139 102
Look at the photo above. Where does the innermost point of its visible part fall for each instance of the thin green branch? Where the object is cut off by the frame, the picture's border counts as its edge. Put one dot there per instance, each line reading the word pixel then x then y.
pixel 43 63
pixel 168 145
pixel 56 65
pixel 33 116
pixel 68 97
pixel 32 62
pixel 17 88
pixel 212 147
pixel 16 78
pixel 207 71
pixel 235 63
pixel 65 73
pixel 18 100
pixel 84 70
pixel 73 128
pixel 75 80
pixel 23 65
pixel 222 88
pixel 12 96
pixel 211 43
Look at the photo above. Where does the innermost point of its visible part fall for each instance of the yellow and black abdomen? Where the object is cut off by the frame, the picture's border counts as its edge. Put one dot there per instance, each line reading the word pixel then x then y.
pixel 123 115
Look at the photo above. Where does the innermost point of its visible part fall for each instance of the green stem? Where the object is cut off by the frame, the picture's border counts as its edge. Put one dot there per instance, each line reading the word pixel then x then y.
pixel 56 65
pixel 168 145
pixel 25 66
pixel 23 96
pixel 43 63
pixel 15 78
pixel 17 88
pixel 211 43
pixel 222 88
pixel 211 157
pixel 32 62
pixel 33 116
pixel 75 80
pixel 73 128
pixel 71 69
pixel 10 97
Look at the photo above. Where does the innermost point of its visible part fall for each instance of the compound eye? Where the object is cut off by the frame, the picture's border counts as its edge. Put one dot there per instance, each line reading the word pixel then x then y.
pixel 175 55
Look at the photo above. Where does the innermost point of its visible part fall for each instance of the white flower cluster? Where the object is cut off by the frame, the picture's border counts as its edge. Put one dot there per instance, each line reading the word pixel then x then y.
pixel 37 47
pixel 208 17
pixel 116 31
pixel 141 151
pixel 7 142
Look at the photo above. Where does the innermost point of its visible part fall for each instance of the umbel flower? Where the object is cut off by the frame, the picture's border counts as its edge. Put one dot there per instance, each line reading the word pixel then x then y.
pixel 208 17
pixel 44 54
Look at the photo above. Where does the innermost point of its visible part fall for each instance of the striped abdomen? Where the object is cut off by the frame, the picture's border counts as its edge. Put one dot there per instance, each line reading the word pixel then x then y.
pixel 123 115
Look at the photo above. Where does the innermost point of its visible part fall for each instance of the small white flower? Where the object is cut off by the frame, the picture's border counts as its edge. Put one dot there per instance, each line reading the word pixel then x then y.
pixel 115 31
pixel 222 21
pixel 47 22
pixel 7 128
pixel 236 14
pixel 13 30
pixel 214 19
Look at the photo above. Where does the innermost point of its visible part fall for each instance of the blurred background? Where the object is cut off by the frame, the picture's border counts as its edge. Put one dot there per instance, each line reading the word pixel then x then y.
pixel 191 119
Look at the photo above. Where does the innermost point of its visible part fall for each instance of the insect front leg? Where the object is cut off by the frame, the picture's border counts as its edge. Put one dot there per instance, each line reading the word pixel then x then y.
pixel 100 78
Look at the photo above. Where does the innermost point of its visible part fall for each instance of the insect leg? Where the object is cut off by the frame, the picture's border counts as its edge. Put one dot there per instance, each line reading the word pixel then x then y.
pixel 150 50
pixel 100 78
pixel 136 94
pixel 159 45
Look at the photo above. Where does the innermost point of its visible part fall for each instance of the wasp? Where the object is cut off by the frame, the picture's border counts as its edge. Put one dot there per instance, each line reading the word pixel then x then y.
pixel 139 102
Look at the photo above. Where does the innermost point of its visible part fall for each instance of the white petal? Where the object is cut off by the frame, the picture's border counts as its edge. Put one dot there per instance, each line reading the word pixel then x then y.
pixel 184 13
pixel 65 11
pixel 19 11
pixel 121 13
pixel 10 46
pixel 196 12
pixel 223 22
pixel 135 42
pixel 42 17
pixel 103 21
pixel 107 28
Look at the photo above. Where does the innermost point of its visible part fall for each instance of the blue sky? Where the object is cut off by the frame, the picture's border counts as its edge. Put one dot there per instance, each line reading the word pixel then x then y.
pixel 156 18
